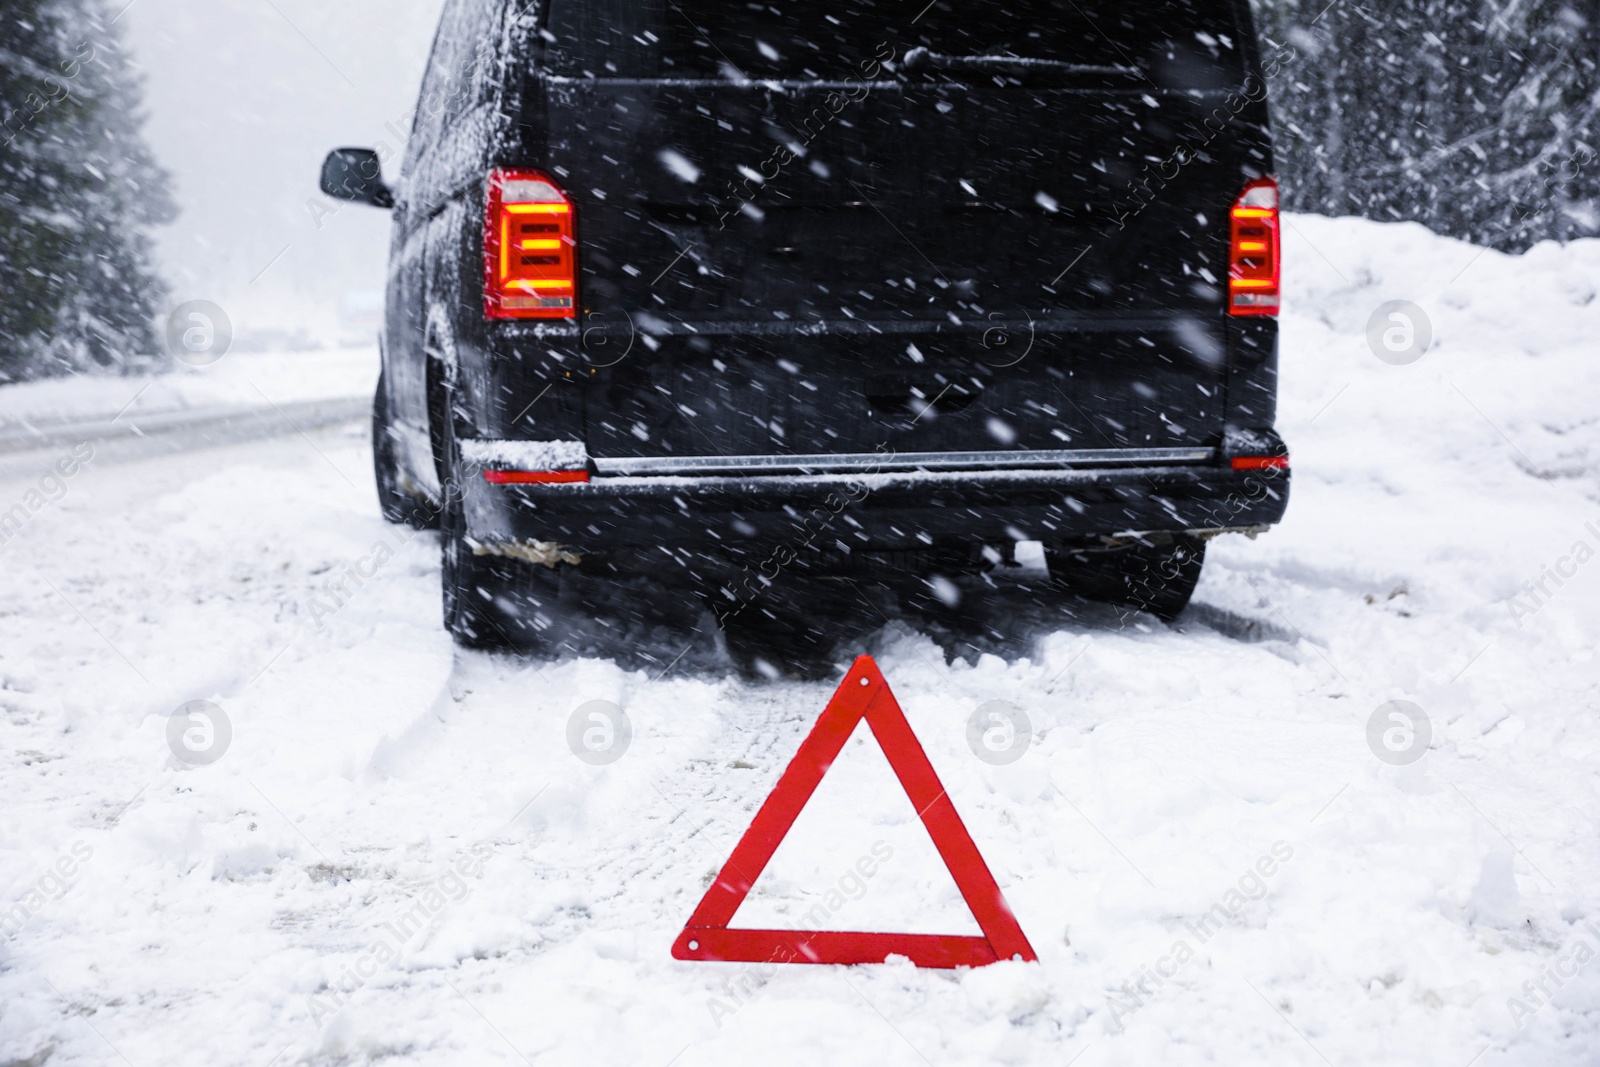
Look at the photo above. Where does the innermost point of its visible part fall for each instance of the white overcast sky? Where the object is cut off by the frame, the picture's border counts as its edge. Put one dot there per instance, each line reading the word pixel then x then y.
pixel 243 98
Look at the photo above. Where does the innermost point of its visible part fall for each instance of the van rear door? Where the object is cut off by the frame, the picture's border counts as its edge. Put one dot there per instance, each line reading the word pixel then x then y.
pixel 844 228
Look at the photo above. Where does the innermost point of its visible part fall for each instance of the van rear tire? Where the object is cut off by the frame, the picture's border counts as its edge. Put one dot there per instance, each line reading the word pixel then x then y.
pixel 492 603
pixel 395 503
pixel 489 602
pixel 1156 577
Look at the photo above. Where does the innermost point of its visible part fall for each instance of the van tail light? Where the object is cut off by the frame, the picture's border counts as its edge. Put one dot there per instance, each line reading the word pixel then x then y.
pixel 530 248
pixel 1253 250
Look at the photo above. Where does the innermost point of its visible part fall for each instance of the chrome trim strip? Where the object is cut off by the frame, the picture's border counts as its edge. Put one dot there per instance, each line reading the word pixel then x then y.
pixel 898 461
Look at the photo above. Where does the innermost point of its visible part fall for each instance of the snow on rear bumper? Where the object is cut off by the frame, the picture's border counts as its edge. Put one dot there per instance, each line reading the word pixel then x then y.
pixel 745 515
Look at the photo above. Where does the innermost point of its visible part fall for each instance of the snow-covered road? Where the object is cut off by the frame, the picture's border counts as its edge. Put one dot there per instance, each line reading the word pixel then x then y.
pixel 395 856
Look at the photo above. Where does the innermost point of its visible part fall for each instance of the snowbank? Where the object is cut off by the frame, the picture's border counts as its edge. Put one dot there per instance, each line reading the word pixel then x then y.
pixel 236 380
pixel 1216 854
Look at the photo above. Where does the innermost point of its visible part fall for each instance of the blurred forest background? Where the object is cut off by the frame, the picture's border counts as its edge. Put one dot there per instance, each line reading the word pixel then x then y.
pixel 1476 119
pixel 79 193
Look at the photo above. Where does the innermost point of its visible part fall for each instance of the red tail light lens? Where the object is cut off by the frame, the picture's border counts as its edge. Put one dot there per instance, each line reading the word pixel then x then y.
pixel 530 246
pixel 494 477
pixel 1253 252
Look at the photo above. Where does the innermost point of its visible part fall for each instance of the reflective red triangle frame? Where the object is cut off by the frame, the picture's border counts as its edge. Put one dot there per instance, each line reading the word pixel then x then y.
pixel 864 694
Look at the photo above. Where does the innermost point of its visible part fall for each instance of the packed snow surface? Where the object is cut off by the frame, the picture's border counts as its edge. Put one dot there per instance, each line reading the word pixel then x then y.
pixel 398 858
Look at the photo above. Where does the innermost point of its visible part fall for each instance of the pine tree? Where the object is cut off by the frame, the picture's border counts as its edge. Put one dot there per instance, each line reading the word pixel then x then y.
pixel 79 192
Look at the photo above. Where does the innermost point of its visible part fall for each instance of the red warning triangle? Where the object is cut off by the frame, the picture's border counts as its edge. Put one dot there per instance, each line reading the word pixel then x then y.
pixel 864 694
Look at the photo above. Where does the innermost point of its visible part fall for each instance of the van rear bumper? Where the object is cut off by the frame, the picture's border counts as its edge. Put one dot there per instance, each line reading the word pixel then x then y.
pixel 744 518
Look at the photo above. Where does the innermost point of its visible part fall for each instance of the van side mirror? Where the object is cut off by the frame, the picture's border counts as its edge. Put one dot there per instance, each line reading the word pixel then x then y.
pixel 356 174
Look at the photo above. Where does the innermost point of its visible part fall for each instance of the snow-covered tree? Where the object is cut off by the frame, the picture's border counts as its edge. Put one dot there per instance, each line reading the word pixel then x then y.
pixel 1478 120
pixel 79 192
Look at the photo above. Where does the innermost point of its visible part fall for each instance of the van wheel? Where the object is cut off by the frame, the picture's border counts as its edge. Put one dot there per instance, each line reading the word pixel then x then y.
pixel 489 602
pixel 463 581
pixel 1158 577
pixel 396 505
pixel 467 582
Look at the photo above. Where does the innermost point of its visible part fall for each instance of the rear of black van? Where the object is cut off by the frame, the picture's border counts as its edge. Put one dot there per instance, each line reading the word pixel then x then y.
pixel 822 282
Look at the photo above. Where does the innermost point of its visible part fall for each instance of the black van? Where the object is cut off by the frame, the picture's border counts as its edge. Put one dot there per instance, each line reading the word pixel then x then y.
pixel 719 289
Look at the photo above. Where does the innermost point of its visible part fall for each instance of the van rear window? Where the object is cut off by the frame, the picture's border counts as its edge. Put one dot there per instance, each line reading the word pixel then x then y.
pixel 1178 44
